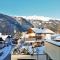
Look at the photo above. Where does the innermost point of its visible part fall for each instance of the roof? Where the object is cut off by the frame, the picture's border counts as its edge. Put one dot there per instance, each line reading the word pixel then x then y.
pixel 3 36
pixel 57 38
pixel 42 31
pixel 55 35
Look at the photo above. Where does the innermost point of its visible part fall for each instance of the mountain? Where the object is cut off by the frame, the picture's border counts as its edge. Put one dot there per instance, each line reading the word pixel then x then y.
pixel 43 18
pixel 8 24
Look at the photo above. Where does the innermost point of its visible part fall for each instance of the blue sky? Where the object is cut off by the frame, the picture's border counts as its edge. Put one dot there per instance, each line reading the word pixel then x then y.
pixel 50 8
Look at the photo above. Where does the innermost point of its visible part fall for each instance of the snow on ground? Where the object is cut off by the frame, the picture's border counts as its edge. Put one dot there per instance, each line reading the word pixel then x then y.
pixel 6 51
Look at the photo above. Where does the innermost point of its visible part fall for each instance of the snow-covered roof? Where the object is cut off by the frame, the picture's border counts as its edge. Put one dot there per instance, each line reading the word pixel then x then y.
pixel 57 38
pixel 44 30
pixel 37 30
pixel 53 42
pixel 55 35
pixel 32 41
pixel 3 36
pixel 29 41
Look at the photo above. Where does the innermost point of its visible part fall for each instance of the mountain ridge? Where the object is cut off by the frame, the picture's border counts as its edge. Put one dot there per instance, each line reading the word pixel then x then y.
pixel 44 18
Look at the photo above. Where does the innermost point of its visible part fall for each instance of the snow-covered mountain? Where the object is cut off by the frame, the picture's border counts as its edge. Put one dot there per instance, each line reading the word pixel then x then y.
pixel 39 18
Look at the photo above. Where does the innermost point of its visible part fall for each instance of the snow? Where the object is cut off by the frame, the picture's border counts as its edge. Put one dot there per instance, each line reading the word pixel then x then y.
pixel 37 30
pixel 6 51
pixel 55 35
pixel 34 17
pixel 30 41
pixel 53 42
pixel 44 30
pixel 57 38
pixel 3 36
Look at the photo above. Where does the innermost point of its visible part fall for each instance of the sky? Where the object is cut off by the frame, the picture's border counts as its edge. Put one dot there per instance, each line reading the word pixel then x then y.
pixel 49 8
